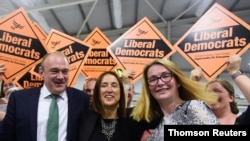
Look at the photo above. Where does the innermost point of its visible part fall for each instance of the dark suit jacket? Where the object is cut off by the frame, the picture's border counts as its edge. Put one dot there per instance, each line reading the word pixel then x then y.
pixel 20 122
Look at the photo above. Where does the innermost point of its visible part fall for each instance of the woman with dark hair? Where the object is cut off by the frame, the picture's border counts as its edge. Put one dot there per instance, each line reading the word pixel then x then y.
pixel 108 111
pixel 225 109
pixel 242 81
pixel 108 118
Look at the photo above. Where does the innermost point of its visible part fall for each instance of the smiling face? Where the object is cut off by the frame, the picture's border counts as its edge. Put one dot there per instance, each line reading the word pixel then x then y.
pixel 162 90
pixel 109 91
pixel 55 73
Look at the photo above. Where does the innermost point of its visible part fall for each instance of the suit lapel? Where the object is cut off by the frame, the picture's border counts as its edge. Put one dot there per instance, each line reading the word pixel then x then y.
pixel 33 97
pixel 71 113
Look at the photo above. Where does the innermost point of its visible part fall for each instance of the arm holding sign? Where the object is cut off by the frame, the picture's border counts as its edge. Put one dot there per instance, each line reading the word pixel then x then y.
pixel 240 79
pixel 233 68
pixel 227 113
pixel 225 91
pixel 196 74
pixel 125 75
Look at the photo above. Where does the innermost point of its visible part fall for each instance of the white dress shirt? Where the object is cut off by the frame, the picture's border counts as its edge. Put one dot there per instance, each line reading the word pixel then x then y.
pixel 43 114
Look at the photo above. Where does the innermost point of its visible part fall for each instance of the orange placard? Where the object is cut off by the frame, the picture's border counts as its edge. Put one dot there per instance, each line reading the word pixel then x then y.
pixel 99 60
pixel 212 39
pixel 28 80
pixel 75 50
pixel 20 46
pixel 42 36
pixel 140 45
pixel 40 33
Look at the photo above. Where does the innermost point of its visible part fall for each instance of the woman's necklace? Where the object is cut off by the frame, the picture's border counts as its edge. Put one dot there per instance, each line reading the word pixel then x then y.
pixel 108 129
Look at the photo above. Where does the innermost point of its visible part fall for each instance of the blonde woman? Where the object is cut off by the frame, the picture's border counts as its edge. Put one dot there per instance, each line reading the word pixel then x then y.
pixel 168 93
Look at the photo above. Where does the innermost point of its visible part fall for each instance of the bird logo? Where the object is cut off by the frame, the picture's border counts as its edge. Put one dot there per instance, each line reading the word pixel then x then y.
pixel 16 25
pixel 54 44
pixel 140 32
pixel 94 42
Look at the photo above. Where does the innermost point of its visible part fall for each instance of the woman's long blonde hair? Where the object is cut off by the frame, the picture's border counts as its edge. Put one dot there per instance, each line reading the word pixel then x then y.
pixel 147 107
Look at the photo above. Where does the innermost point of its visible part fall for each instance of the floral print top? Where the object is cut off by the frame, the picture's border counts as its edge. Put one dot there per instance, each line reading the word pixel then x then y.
pixel 193 112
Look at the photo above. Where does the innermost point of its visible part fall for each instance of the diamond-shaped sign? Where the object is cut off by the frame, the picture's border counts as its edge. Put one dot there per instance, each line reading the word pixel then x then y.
pixel 139 46
pixel 212 39
pixel 42 36
pixel 21 47
pixel 99 60
pixel 28 80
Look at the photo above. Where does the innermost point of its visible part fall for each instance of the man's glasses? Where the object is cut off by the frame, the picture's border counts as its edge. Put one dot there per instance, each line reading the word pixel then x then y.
pixel 164 78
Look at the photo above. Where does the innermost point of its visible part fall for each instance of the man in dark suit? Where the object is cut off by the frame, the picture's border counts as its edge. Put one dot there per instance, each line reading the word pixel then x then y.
pixel 27 112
